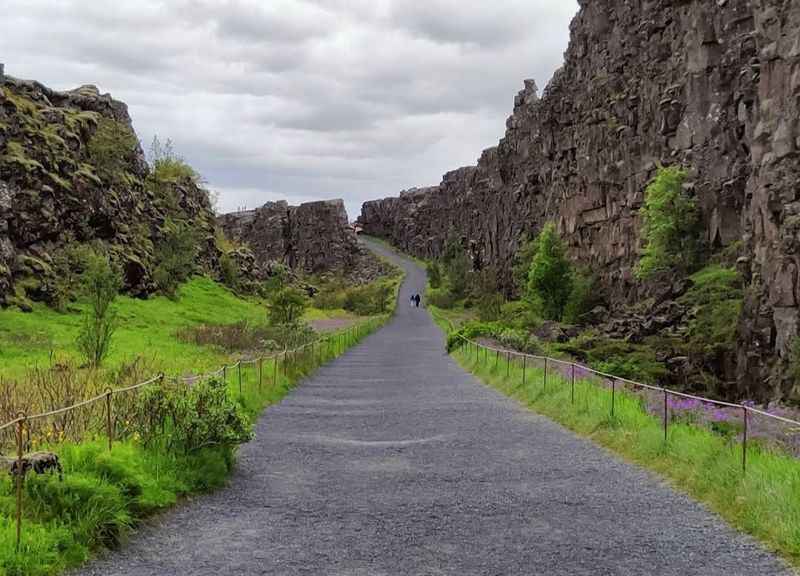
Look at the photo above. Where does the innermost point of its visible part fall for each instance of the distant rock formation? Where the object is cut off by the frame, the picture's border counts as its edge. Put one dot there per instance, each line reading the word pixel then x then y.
pixel 713 86
pixel 313 238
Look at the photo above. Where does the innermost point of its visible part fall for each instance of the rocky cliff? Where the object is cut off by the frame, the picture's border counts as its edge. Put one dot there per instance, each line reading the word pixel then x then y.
pixel 72 172
pixel 713 86
pixel 313 238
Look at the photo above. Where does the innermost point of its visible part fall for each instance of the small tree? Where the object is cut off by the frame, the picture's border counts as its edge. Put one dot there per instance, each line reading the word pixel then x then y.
pixel 287 307
pixel 522 263
pixel 175 257
pixel 229 271
pixel 671 226
pixel 550 278
pixel 101 282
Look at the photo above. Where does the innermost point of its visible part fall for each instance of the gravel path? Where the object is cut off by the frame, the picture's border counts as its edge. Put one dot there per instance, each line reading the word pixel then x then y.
pixel 393 460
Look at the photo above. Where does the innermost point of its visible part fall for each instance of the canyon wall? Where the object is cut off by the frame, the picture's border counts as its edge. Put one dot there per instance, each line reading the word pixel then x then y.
pixel 314 238
pixel 72 172
pixel 710 85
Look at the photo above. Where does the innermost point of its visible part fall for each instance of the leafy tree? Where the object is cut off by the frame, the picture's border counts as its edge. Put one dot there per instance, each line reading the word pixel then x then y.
pixel 550 277
pixel 175 257
pixel 671 226
pixel 522 263
pixel 102 283
pixel 287 307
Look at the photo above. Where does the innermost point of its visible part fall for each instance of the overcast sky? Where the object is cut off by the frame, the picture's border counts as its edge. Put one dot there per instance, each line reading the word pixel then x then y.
pixel 300 99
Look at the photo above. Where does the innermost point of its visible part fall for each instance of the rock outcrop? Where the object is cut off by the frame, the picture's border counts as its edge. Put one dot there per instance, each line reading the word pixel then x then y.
pixel 312 238
pixel 72 172
pixel 713 86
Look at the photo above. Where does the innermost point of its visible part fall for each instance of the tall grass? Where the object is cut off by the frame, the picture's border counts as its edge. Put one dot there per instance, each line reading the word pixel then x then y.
pixel 764 502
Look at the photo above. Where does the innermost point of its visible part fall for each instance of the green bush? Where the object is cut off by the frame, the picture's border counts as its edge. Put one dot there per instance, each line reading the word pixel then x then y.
pixel 550 279
pixel 229 271
pixel 457 266
pixel 716 296
pixel 69 264
pixel 175 257
pixel 434 275
pixel 101 283
pixel 369 299
pixel 672 230
pixel 522 264
pixel 582 298
pixel 441 298
pixel 200 416
pixel 490 306
pixel 287 307
pixel 113 148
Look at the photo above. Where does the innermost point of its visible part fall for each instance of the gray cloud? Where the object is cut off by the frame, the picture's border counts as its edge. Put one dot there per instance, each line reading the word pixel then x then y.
pixel 300 99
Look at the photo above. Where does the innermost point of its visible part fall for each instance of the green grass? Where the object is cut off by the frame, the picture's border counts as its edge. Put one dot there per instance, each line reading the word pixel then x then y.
pixel 105 494
pixel 708 466
pixel 146 327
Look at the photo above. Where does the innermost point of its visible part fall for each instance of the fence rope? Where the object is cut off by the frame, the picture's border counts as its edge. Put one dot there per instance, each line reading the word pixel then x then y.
pixel 633 382
pixel 159 377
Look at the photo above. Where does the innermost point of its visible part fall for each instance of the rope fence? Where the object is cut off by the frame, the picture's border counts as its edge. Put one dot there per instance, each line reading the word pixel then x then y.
pixel 571 370
pixel 98 416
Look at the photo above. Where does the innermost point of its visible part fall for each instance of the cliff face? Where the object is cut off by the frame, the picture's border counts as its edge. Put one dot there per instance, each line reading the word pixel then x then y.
pixel 72 172
pixel 313 238
pixel 713 86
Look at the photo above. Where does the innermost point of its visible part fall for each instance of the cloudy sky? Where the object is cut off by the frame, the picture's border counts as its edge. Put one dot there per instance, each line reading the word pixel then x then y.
pixel 300 99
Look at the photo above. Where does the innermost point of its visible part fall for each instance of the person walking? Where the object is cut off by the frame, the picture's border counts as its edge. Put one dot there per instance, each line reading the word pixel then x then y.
pixel 417 299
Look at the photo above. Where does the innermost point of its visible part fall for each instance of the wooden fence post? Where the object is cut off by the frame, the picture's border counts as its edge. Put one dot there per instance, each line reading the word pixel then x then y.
pixel 109 420
pixel 20 478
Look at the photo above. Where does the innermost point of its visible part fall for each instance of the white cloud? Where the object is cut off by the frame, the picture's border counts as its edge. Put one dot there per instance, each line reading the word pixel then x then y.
pixel 300 99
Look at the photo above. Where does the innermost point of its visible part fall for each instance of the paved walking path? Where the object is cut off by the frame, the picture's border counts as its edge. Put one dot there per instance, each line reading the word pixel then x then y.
pixel 392 460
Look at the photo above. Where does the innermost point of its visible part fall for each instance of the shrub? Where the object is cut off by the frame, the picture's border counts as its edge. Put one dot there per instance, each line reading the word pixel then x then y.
pixel 369 299
pixel 167 166
pixel 101 282
pixel 717 297
pixel 457 266
pixel 581 298
pixel 68 267
pixel 113 148
pixel 199 416
pixel 434 274
pixel 441 298
pixel 550 278
pixel 229 271
pixel 671 226
pixel 522 264
pixel 175 256
pixel 287 307
pixel 490 307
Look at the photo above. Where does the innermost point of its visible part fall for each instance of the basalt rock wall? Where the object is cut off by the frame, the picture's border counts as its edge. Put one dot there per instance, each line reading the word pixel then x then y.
pixel 313 238
pixel 72 172
pixel 712 86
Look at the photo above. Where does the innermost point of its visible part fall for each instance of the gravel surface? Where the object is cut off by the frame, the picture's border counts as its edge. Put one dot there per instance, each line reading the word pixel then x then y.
pixel 393 460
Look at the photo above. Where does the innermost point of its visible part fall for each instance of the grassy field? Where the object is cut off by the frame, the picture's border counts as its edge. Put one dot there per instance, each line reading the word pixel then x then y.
pixel 763 502
pixel 146 327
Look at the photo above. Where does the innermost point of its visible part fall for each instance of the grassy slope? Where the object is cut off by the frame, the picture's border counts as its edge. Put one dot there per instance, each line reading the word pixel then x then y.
pixel 764 502
pixel 146 327
pixel 103 493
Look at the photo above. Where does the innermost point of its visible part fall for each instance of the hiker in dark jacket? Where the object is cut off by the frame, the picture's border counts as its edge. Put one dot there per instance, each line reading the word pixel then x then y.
pixel 417 299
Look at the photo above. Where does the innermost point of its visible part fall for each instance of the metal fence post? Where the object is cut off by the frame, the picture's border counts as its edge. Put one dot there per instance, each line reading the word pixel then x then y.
pixel 239 370
pixel 275 361
pixel 666 419
pixel 613 395
pixel 20 476
pixel 508 364
pixel 572 388
pixel 225 374
pixel 496 360
pixel 260 373
pixel 744 442
pixel 545 375
pixel 524 365
pixel 109 421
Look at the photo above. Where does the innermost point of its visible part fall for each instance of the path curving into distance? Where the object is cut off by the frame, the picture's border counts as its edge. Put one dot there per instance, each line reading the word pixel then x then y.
pixel 393 460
